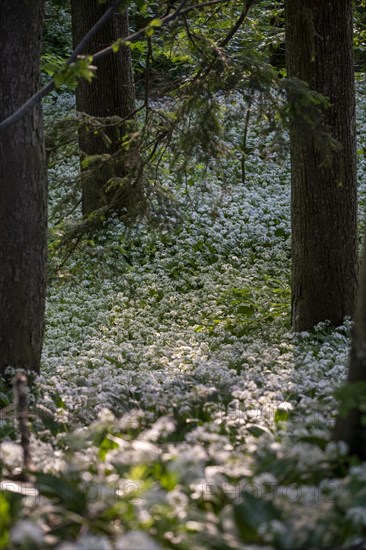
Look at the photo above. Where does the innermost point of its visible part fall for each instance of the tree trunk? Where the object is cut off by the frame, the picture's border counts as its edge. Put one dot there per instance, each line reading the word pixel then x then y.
pixel 111 93
pixel 350 428
pixel 319 51
pixel 23 190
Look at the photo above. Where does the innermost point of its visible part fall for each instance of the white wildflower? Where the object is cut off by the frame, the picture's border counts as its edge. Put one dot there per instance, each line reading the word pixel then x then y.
pixel 357 514
pixel 25 531
pixel 137 540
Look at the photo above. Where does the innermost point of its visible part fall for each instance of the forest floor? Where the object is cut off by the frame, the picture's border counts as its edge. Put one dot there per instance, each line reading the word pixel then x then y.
pixel 176 408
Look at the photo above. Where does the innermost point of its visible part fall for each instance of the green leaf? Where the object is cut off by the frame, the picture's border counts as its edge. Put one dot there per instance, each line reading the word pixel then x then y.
pixel 281 415
pixel 53 425
pixel 58 401
pixel 251 513
pixel 105 446
pixel 114 361
pixel 280 232
pixel 70 74
pixel 118 43
pixel 10 505
pixel 5 520
pixel 155 23
pixel 167 479
pixel 246 309
pixel 142 5
pixel 63 491
pixel 256 430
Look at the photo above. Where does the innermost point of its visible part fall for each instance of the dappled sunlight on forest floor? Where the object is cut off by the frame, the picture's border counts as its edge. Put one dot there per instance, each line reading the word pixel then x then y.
pixel 174 395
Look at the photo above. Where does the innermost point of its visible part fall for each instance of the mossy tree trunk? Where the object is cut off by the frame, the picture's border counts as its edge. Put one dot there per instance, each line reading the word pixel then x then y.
pixel 23 190
pixel 319 51
pixel 110 94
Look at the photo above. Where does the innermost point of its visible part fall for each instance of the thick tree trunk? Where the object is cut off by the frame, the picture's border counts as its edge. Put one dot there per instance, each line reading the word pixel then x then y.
pixel 319 51
pixel 111 93
pixel 23 190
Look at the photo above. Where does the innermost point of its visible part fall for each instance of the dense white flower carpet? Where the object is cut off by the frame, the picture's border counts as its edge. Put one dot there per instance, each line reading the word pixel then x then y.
pixel 179 411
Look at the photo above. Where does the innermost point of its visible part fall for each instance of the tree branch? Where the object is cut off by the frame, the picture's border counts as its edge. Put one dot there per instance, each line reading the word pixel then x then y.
pixel 19 113
pixel 205 70
pixel 238 23
pixel 90 34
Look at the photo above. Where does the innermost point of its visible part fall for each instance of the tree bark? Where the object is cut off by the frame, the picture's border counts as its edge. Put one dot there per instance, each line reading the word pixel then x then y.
pixel 23 190
pixel 319 51
pixel 349 428
pixel 111 93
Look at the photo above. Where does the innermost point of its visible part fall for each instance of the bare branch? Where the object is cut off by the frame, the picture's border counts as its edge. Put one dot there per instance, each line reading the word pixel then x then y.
pixel 238 23
pixel 51 85
pixel 142 32
pixel 89 35
pixel 102 53
pixel 205 70
pixel 204 5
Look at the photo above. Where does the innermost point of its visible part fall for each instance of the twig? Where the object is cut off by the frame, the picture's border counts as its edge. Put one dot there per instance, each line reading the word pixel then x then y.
pixel 104 125
pixel 238 23
pixel 245 137
pixel 19 113
pixel 203 5
pixel 148 59
pixel 90 34
pixel 60 220
pixel 204 71
pixel 142 32
pixel 21 400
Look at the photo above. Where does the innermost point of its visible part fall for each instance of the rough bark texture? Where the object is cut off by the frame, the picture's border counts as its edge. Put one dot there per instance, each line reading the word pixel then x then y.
pixel 23 190
pixel 319 51
pixel 349 428
pixel 111 93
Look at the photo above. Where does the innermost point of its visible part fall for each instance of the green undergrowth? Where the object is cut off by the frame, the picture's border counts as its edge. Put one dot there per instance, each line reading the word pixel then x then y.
pixel 175 408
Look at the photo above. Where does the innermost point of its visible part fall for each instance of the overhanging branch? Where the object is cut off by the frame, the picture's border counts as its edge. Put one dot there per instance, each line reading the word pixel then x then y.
pixel 36 98
pixel 19 113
